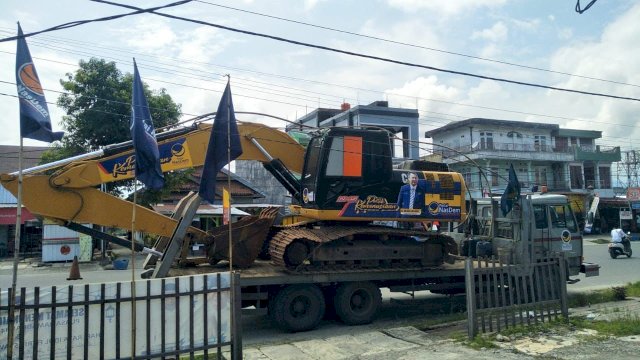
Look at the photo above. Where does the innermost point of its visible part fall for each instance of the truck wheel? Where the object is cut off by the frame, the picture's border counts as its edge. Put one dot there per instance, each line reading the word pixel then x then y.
pixel 356 303
pixel 298 307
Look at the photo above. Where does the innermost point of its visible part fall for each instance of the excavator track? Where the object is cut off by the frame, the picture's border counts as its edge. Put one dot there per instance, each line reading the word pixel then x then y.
pixel 342 248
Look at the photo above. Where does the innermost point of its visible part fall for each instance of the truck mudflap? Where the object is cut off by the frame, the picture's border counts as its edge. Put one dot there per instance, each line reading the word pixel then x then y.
pixel 248 235
pixel 590 269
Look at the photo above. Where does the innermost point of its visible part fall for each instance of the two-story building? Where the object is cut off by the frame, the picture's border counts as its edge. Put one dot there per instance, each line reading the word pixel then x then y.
pixel 401 122
pixel 563 160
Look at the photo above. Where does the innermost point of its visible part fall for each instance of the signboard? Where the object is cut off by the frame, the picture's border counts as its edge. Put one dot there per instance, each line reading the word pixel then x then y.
pixel 625 214
pixel 420 196
pixel 173 155
pixel 633 194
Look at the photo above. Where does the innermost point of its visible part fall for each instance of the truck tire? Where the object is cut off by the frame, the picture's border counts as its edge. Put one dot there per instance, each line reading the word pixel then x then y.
pixel 298 307
pixel 356 303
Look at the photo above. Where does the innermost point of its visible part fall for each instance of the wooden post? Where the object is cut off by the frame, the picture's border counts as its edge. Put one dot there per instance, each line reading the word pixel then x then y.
pixel 563 287
pixel 470 285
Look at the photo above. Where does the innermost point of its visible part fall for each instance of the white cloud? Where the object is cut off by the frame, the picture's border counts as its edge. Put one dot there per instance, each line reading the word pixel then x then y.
pixel 498 32
pixel 612 57
pixel 551 18
pixel 446 7
pixel 527 25
pixel 310 4
pixel 148 34
pixel 565 33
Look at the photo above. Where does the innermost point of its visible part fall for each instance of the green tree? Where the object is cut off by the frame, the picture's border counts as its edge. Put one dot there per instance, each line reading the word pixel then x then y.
pixel 98 106
pixel 97 103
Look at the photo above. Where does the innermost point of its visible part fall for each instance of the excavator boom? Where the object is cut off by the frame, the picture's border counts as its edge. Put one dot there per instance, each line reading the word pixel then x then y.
pixel 69 194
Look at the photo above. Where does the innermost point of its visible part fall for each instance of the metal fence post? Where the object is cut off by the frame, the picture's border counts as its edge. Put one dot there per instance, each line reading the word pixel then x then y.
pixel 236 314
pixel 470 287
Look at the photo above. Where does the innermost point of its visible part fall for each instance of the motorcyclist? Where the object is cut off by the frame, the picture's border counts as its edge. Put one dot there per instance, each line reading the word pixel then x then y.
pixel 619 236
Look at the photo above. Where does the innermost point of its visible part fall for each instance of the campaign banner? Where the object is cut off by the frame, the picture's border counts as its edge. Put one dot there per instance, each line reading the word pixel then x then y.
pixel 173 155
pixel 166 308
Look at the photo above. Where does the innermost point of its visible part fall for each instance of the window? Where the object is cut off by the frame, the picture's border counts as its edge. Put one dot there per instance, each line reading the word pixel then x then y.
pixel 562 144
pixel 562 218
pixel 540 142
pixel 576 177
pixel 486 140
pixel 311 165
pixel 345 156
pixel 540 214
pixel 467 178
pixel 541 175
pixel 494 176
pixel 605 177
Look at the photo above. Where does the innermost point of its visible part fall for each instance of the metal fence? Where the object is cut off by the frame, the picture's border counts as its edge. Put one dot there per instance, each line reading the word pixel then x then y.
pixel 169 317
pixel 507 295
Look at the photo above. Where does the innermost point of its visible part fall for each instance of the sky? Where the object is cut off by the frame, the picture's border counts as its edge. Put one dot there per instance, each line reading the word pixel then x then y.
pixel 544 42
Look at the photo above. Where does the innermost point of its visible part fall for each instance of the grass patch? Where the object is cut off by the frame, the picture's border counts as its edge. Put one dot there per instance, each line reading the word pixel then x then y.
pixel 427 324
pixel 600 241
pixel 623 326
pixel 616 293
pixel 591 298
pixel 479 342
pixel 633 289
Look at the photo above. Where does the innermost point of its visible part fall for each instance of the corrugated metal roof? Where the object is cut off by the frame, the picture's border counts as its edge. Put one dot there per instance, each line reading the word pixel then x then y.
pixel 6 197
pixel 9 157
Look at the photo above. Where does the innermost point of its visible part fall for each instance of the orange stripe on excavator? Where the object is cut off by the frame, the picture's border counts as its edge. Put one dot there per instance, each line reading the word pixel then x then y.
pixel 352 156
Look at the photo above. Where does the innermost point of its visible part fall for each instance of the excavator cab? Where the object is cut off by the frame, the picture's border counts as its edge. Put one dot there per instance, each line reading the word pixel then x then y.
pixel 345 162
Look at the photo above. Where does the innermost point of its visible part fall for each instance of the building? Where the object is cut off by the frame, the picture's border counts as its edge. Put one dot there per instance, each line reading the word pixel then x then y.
pixel 401 122
pixel 31 229
pixel 243 195
pixel 563 160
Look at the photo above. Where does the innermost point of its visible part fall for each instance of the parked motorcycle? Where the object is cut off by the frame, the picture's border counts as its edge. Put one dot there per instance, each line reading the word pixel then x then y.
pixel 620 248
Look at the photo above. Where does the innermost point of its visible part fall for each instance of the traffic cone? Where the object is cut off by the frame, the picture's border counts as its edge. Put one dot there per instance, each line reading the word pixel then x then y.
pixel 74 274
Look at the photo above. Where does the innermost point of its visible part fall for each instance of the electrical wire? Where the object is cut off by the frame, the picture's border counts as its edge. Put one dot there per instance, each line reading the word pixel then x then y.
pixel 372 57
pixel 106 18
pixel 502 62
pixel 582 10
pixel 375 91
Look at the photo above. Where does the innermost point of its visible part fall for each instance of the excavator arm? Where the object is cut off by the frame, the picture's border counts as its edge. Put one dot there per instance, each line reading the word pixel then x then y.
pixel 69 194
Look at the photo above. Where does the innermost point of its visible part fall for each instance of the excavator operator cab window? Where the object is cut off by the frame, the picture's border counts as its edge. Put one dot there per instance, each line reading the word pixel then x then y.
pixel 311 165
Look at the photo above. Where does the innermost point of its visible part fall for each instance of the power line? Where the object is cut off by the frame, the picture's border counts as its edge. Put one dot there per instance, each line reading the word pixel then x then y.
pixel 582 10
pixel 417 46
pixel 372 57
pixel 106 18
pixel 358 89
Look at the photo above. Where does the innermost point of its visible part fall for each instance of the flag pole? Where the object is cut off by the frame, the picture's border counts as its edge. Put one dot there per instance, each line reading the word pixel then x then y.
pixel 229 177
pixel 231 277
pixel 16 258
pixel 133 268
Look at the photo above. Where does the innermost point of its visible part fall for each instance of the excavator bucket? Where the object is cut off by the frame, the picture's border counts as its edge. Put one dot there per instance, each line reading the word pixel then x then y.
pixel 247 235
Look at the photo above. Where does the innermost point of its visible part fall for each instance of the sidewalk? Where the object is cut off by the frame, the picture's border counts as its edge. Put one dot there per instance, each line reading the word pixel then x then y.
pixel 33 272
pixel 409 343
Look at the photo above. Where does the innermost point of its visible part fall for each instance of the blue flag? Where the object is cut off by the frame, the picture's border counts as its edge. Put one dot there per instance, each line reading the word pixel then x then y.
pixel 511 193
pixel 35 122
pixel 144 137
pixel 224 145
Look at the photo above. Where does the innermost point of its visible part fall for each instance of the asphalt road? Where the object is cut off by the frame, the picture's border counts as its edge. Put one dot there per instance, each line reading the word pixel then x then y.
pixel 613 272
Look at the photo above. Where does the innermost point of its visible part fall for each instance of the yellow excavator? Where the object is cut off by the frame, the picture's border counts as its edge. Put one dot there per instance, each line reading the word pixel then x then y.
pixel 351 206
